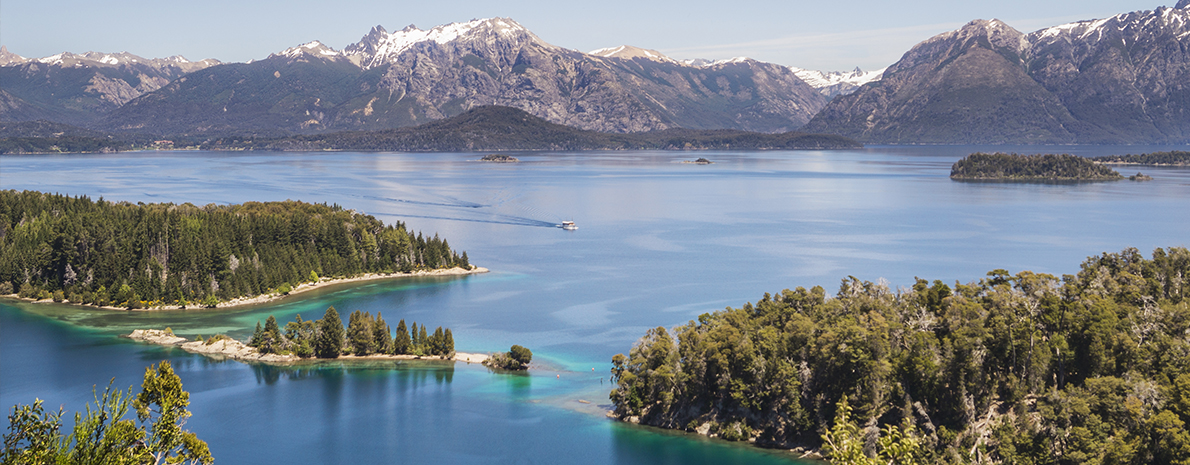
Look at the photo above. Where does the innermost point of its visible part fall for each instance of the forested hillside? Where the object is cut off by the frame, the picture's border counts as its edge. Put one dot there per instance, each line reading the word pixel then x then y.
pixel 1015 368
pixel 136 255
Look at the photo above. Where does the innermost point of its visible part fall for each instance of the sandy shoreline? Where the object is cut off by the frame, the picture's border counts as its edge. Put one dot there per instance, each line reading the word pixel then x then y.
pixel 300 288
pixel 236 350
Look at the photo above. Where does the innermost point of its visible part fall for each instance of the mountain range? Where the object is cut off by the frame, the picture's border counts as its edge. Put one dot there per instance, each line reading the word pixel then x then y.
pixel 1123 79
pixel 1117 80
pixel 411 76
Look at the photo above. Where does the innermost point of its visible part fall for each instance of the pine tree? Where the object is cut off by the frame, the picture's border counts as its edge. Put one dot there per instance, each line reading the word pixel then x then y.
pixel 359 333
pixel 436 342
pixel 414 342
pixel 256 336
pixel 401 343
pixel 329 343
pixel 381 337
pixel 422 339
pixel 448 343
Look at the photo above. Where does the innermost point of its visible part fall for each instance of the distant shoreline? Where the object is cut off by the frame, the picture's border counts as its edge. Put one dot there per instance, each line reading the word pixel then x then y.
pixel 265 298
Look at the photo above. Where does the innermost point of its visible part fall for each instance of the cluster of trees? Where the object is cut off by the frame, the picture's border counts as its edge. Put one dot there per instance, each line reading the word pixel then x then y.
pixel 103 435
pixel 1027 368
pixel 136 255
pixel 1013 167
pixel 364 335
pixel 1171 158
pixel 517 358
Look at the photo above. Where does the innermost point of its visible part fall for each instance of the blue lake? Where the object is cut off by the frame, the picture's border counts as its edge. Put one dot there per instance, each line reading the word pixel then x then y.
pixel 659 243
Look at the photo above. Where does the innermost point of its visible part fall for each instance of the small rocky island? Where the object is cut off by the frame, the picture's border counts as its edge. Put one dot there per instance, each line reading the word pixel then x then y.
pixel 700 161
pixel 1140 177
pixel 495 158
pixel 1030 168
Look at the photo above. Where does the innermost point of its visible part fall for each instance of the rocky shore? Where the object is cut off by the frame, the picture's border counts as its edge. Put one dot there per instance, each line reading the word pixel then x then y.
pixel 228 348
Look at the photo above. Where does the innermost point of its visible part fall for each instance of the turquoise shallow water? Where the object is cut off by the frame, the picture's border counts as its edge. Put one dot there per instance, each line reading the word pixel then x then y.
pixel 659 243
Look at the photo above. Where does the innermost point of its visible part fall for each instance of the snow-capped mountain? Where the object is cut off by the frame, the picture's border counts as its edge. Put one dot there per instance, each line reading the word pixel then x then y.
pixel 629 52
pixel 1115 80
pixel 79 88
pixel 411 76
pixel 836 83
pixel 380 47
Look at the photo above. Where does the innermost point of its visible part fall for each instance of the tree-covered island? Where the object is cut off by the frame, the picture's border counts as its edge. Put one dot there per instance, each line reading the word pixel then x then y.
pixel 1023 368
pixel 364 336
pixel 1030 168
pixel 163 255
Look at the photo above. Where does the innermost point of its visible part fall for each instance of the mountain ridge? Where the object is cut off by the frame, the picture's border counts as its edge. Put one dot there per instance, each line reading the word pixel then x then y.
pixel 1114 80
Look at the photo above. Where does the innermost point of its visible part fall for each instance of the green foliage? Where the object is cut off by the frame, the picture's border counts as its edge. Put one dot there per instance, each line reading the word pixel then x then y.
pixel 132 255
pixel 284 289
pixel 329 341
pixel 1013 167
pixel 517 358
pixel 102 435
pixel 1171 158
pixel 162 403
pixel 401 342
pixel 1019 368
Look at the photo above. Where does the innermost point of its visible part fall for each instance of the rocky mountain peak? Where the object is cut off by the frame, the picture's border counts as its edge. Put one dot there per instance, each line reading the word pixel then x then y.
pixel 629 52
pixel 380 47
pixel 313 49
pixel 1184 4
pixel 7 58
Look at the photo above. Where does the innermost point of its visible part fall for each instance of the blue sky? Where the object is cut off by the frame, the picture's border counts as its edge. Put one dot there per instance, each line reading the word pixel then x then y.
pixel 822 35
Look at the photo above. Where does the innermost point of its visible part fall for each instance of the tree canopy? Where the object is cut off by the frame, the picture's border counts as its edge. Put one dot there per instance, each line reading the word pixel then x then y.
pixel 104 435
pixel 1092 367
pixel 137 255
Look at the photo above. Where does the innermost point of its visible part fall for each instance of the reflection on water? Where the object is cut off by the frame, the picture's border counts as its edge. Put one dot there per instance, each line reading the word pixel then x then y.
pixel 659 243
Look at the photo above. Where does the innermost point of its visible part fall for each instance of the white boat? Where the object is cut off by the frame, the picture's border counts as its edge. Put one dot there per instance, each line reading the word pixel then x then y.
pixel 569 225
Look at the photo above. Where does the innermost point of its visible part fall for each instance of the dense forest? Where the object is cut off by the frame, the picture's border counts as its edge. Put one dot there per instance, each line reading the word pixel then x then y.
pixel 1023 368
pixel 364 335
pixel 1172 158
pixel 488 128
pixel 1013 167
pixel 144 255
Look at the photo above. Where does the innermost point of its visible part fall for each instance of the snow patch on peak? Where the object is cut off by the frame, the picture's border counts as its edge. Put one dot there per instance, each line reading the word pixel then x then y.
pixel 315 48
pixel 379 46
pixel 835 83
pixel 629 52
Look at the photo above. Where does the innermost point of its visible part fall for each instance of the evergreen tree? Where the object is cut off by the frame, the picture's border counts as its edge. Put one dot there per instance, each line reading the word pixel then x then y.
pixel 414 341
pixel 448 344
pixel 422 339
pixel 401 343
pixel 257 336
pixel 271 342
pixel 381 337
pixel 436 342
pixel 360 334
pixel 329 342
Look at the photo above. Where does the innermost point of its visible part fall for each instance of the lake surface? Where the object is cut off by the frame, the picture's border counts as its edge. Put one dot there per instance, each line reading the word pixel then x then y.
pixel 659 243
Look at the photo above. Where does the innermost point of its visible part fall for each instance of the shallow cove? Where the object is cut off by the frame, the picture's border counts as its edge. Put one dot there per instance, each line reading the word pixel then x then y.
pixel 659 243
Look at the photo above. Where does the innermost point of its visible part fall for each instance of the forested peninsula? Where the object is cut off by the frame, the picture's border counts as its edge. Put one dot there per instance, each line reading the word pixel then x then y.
pixel 1026 368
pixel 159 255
pixel 1030 168
pixel 1171 158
